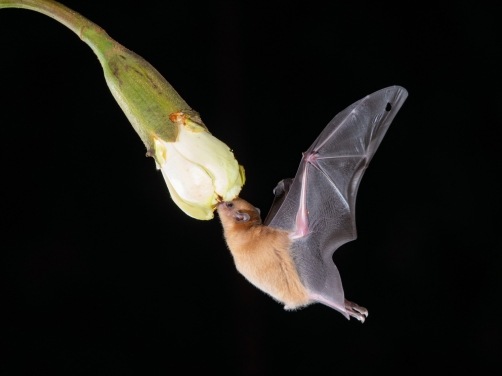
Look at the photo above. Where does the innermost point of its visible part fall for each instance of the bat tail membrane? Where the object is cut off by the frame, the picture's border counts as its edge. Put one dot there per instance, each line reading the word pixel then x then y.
pixel 331 294
pixel 336 163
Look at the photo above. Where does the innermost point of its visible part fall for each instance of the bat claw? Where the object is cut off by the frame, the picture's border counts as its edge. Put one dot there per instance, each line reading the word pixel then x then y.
pixel 359 313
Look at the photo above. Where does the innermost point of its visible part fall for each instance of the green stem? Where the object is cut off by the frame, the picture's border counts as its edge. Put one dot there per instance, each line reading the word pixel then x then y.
pixel 146 98
pixel 88 31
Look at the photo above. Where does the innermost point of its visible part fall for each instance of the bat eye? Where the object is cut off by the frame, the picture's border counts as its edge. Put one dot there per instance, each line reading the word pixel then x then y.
pixel 230 205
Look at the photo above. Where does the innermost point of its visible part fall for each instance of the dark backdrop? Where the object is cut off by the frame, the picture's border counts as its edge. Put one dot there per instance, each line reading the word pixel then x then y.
pixel 100 272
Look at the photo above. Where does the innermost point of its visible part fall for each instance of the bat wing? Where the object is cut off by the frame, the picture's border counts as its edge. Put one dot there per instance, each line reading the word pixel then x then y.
pixel 318 206
pixel 280 193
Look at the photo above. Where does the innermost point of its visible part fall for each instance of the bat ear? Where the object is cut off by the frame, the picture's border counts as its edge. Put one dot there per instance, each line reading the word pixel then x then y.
pixel 258 210
pixel 241 217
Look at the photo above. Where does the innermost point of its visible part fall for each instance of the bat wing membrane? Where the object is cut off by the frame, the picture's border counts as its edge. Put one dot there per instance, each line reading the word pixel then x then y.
pixel 280 193
pixel 322 196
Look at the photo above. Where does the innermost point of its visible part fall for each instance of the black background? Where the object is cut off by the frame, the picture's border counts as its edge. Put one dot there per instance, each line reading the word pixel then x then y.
pixel 101 273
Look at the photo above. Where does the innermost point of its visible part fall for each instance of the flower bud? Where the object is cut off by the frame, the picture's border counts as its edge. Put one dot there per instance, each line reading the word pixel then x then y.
pixel 199 169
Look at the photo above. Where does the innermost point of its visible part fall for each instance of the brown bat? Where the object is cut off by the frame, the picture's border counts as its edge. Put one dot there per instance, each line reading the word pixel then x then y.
pixel 289 256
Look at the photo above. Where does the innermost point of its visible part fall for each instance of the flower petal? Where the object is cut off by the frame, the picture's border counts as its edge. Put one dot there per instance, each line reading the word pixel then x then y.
pixel 192 210
pixel 190 186
pixel 215 157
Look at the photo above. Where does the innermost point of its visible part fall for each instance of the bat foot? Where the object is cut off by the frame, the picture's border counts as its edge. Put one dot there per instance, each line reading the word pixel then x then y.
pixel 359 313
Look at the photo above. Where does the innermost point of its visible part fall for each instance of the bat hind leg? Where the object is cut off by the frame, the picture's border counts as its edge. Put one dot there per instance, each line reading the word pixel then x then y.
pixel 359 313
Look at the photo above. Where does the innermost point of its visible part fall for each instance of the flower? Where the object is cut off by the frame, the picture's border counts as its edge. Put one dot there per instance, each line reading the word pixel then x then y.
pixel 199 169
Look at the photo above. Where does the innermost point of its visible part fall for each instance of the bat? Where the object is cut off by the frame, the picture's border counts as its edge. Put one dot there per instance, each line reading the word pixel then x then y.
pixel 290 255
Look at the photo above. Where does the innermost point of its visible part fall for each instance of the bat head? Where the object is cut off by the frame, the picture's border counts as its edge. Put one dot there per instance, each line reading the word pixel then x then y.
pixel 238 211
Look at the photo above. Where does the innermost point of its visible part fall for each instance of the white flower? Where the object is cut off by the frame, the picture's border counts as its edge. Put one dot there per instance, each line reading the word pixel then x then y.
pixel 199 169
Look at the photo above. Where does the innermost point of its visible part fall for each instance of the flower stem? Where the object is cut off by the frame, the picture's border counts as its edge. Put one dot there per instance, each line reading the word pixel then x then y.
pixel 146 98
pixel 88 31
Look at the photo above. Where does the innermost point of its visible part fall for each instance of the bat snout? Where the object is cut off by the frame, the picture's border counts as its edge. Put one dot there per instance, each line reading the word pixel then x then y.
pixel 222 208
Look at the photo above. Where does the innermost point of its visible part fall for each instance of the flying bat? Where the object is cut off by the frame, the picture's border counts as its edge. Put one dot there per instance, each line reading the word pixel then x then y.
pixel 290 255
